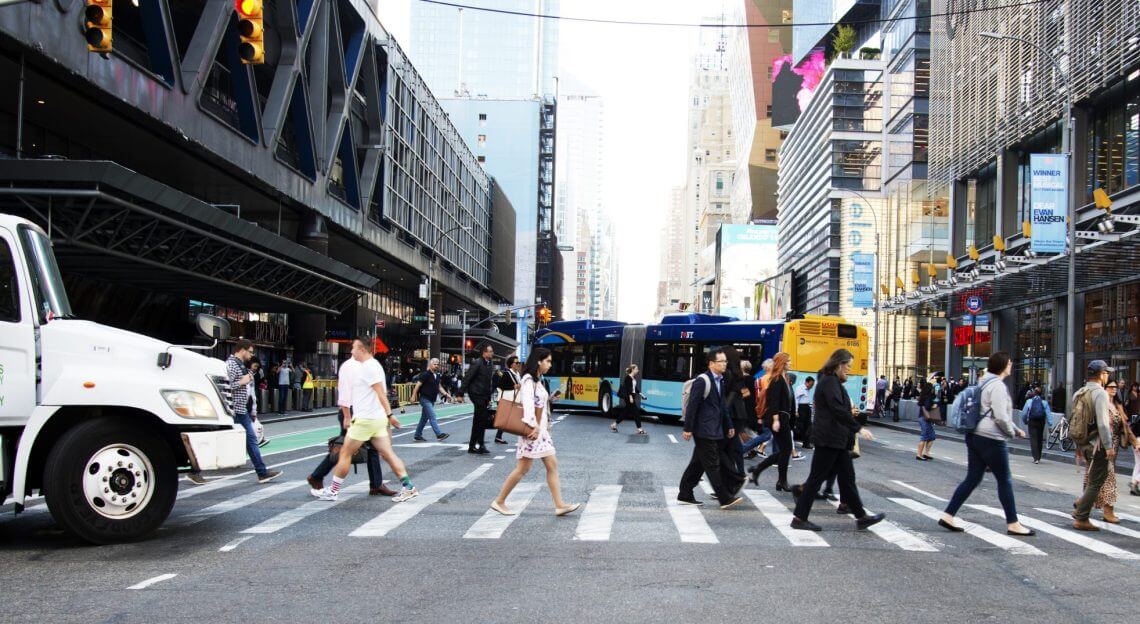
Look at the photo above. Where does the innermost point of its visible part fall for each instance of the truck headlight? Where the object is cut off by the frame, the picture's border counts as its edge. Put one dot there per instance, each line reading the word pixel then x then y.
pixel 189 404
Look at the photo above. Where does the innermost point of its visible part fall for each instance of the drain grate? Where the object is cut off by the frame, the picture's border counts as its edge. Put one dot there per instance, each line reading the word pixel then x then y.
pixel 638 481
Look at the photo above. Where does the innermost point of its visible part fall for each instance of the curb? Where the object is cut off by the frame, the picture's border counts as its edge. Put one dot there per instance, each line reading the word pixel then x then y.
pixel 301 416
pixel 1046 455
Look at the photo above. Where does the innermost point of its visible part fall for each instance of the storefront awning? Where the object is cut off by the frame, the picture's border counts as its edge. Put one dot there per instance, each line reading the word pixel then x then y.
pixel 109 222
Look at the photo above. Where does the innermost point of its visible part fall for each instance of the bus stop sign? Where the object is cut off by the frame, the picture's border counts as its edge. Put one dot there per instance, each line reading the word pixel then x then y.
pixel 974 304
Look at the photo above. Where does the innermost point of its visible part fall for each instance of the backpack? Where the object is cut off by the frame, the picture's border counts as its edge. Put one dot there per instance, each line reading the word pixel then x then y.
pixel 689 386
pixel 1082 423
pixel 1036 409
pixel 971 413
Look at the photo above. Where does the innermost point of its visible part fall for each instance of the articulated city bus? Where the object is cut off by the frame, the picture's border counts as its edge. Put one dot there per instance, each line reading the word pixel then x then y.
pixel 590 356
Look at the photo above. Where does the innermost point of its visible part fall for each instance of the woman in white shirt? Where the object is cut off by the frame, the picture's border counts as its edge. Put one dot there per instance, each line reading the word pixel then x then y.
pixel 538 445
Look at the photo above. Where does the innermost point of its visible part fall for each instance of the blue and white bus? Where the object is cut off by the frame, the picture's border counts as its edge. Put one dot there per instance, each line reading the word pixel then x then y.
pixel 591 356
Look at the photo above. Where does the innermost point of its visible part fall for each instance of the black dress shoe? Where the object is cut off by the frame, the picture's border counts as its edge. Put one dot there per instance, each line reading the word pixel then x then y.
pixel 500 441
pixel 804 525
pixel 782 486
pixel 950 527
pixel 842 509
pixel 869 520
pixel 754 477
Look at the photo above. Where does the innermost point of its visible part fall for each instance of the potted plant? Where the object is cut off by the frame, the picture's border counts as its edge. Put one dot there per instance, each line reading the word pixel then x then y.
pixel 870 54
pixel 844 40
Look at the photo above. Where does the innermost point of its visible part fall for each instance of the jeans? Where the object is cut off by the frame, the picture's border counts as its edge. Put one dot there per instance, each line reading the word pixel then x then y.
pixel 427 414
pixel 251 448
pixel 825 464
pixel 282 398
pixel 1098 472
pixel 1036 437
pixel 757 440
pixel 985 453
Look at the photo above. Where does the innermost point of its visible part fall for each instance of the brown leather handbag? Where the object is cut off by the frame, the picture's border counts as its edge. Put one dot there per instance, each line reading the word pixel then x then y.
pixel 509 417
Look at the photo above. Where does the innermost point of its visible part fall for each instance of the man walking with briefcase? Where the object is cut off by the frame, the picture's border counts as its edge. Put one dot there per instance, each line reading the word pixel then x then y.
pixel 479 384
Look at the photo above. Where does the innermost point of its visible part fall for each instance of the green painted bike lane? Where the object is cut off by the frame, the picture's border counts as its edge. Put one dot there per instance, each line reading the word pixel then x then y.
pixel 319 437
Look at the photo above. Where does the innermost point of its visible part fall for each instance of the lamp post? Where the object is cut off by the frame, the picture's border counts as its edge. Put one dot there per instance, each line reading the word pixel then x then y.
pixel 878 269
pixel 1066 149
pixel 432 339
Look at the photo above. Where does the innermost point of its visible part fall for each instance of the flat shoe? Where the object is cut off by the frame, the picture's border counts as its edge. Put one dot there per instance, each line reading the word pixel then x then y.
pixel 950 527
pixel 569 509
pixel 503 510
pixel 1031 533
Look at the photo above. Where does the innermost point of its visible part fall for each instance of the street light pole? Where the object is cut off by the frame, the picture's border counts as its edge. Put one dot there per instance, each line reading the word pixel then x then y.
pixel 1066 149
pixel 431 289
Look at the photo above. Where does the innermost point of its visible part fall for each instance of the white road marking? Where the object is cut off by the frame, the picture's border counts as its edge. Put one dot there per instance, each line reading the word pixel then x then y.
pixel 290 517
pixel 188 492
pixel 690 523
pixel 1020 476
pixel 151 581
pixel 598 518
pixel 244 500
pixel 500 456
pixel 1072 537
pixel 1050 484
pixel 493 524
pixel 561 418
pixel 1004 542
pixel 1129 517
pixel 781 518
pixel 923 492
pixel 672 439
pixel 234 544
pixel 431 444
pixel 1106 526
pixel 396 516
pixel 897 535
pixel 707 487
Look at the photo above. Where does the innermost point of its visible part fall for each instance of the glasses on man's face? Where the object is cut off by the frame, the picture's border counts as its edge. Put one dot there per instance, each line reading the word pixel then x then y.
pixel 720 361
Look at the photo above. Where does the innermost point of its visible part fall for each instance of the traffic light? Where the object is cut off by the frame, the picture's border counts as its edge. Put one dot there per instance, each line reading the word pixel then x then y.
pixel 544 315
pixel 431 316
pixel 470 344
pixel 251 29
pixel 97 25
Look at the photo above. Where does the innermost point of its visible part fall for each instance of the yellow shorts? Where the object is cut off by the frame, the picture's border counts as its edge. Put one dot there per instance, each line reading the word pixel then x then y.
pixel 364 429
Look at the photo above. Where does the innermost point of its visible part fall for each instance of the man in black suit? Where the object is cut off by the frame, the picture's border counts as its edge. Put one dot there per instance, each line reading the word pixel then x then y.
pixel 479 384
pixel 707 424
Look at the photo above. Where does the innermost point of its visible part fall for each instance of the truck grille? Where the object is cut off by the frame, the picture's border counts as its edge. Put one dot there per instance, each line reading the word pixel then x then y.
pixel 222 385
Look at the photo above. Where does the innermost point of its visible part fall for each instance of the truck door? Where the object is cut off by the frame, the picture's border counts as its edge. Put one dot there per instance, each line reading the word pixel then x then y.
pixel 17 338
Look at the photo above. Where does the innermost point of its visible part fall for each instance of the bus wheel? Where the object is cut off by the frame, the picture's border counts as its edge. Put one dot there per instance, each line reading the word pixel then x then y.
pixel 605 400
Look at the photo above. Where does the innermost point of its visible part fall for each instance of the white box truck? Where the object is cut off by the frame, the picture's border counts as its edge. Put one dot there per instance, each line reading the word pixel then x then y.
pixel 96 419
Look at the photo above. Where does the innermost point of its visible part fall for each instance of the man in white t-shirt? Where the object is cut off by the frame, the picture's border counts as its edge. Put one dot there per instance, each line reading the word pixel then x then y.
pixel 371 417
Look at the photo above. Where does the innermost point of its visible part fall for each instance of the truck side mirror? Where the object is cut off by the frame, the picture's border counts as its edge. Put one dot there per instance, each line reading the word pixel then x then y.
pixel 213 326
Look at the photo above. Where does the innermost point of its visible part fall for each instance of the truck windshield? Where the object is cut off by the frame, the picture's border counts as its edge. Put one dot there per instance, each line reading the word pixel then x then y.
pixel 51 298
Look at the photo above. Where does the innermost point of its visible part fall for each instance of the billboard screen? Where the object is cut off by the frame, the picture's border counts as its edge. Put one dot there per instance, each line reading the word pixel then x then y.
pixel 747 254
pixel 774 297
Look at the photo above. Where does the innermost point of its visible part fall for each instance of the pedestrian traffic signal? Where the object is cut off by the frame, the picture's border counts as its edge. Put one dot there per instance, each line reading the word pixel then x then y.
pixel 544 315
pixel 97 25
pixel 250 27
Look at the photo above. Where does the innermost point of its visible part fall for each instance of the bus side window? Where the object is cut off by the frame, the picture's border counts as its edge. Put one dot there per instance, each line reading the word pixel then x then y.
pixel 658 358
pixel 682 369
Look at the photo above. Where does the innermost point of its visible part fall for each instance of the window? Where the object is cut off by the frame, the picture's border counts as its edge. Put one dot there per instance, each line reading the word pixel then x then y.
pixel 669 362
pixel 481 159
pixel 773 35
pixel 9 287
pixel 768 110
pixel 482 120
pixel 482 140
pixel 770 155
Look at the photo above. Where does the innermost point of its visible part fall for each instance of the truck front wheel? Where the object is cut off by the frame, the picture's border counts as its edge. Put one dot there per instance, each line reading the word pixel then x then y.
pixel 109 482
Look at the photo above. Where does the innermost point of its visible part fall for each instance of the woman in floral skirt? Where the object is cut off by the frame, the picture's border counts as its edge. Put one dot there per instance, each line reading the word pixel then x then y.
pixel 538 445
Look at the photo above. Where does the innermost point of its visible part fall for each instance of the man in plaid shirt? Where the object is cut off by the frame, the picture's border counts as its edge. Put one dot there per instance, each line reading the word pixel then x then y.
pixel 240 380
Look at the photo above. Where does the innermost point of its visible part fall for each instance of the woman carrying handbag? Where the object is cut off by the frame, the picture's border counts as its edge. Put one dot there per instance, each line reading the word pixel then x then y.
pixel 928 405
pixel 537 444
pixel 631 397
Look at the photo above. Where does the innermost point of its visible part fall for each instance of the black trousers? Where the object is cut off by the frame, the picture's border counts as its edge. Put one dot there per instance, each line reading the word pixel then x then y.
pixel 1036 437
pixel 825 461
pixel 705 460
pixel 784 439
pixel 480 420
pixel 629 411
pixel 804 423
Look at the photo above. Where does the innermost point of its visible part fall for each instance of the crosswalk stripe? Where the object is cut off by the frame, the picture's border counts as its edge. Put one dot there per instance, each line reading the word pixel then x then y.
pixel 923 492
pixel 1128 516
pixel 707 487
pixel 238 502
pixel 1106 526
pixel 290 517
pixel 691 525
pixel 393 518
pixel 212 486
pixel 897 535
pixel 993 537
pixel 493 524
pixel 597 519
pixel 781 518
pixel 1072 537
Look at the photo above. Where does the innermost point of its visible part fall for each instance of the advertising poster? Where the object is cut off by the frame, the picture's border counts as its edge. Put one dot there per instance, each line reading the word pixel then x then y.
pixel 863 282
pixel 747 255
pixel 1049 191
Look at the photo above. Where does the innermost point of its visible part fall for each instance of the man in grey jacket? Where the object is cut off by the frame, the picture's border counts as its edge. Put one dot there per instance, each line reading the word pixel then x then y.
pixel 1100 452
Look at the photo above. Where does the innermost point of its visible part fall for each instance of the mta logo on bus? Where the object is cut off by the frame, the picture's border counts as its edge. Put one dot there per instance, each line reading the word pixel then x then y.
pixel 687 335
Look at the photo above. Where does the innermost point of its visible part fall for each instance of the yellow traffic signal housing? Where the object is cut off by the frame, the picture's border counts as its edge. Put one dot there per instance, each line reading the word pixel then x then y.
pixel 97 25
pixel 251 28
pixel 544 315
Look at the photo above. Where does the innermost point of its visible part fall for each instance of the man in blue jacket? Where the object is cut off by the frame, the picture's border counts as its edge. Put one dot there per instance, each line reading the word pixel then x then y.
pixel 707 424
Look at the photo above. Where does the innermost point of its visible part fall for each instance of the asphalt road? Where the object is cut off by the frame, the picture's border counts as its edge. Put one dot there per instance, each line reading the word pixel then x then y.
pixel 236 551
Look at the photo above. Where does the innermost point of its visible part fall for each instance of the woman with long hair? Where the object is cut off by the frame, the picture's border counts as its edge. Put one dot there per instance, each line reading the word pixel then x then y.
pixel 928 411
pixel 1106 499
pixel 777 411
pixel 630 394
pixel 833 435
pixel 535 402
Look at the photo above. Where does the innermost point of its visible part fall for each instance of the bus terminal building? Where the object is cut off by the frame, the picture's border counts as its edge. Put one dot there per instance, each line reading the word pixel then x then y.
pixel 307 199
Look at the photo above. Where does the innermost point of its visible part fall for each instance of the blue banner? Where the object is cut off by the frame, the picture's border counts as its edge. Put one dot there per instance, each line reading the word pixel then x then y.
pixel 1049 192
pixel 863 278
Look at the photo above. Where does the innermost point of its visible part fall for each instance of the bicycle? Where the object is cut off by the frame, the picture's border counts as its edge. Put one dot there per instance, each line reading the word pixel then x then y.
pixel 1060 433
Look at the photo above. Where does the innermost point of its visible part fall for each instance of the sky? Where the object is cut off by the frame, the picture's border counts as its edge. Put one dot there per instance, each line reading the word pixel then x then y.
pixel 642 74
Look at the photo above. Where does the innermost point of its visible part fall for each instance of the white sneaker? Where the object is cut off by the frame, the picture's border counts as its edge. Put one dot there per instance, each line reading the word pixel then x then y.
pixel 316 492
pixel 326 495
pixel 405 494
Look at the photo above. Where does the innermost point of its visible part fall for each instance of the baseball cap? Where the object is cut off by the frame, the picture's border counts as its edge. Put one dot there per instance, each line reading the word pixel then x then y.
pixel 1100 366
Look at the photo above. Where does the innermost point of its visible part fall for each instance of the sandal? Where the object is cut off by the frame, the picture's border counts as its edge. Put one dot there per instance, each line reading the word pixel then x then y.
pixel 503 510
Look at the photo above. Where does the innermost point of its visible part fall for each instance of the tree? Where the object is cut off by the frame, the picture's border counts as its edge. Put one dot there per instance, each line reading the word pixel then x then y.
pixel 844 40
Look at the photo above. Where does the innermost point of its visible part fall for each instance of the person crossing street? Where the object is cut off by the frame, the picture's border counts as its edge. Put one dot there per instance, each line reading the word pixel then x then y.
pixel 478 385
pixel 240 382
pixel 427 391
pixel 708 425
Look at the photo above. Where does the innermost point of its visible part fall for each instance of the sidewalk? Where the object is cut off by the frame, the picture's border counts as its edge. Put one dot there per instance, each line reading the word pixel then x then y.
pixel 1018 446
pixel 409 410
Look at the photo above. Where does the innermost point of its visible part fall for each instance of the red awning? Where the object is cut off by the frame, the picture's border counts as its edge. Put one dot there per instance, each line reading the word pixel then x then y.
pixel 379 347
